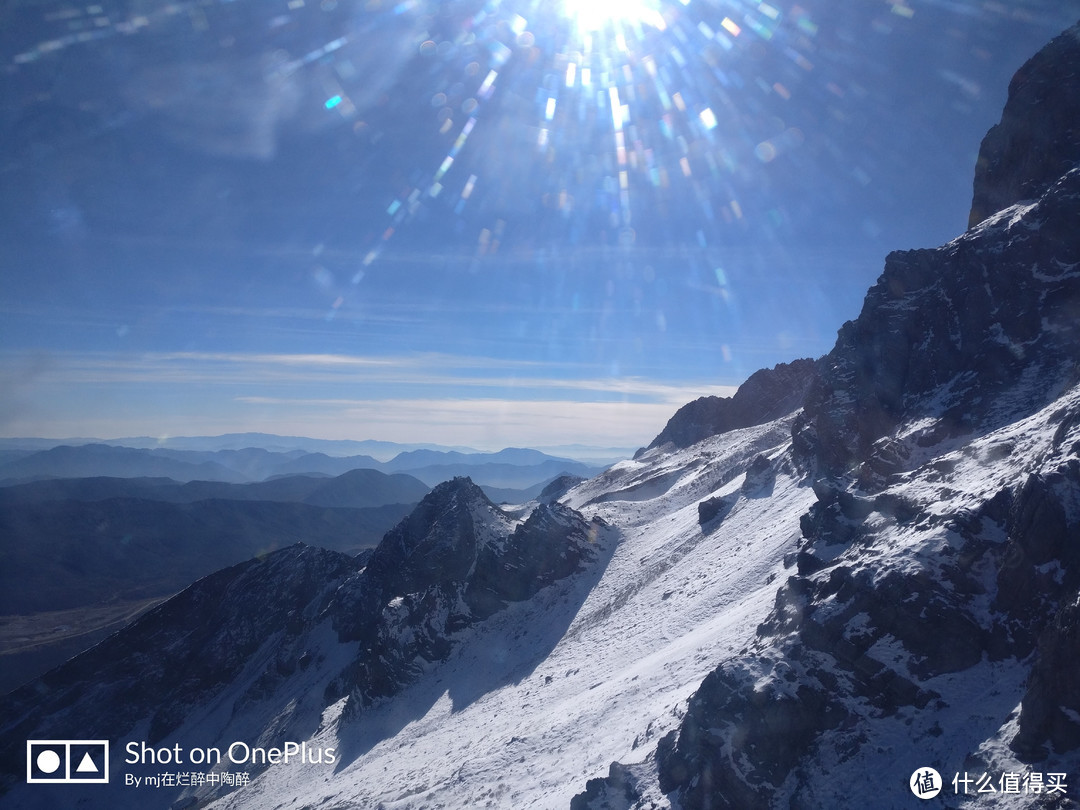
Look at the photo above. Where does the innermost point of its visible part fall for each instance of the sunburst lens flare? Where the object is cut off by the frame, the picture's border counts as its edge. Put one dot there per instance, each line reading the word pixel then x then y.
pixel 591 16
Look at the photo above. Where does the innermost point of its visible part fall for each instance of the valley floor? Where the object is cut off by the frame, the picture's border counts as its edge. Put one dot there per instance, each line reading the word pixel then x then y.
pixel 34 643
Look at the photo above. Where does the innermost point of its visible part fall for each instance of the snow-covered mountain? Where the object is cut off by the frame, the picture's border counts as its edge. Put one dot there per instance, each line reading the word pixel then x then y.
pixel 802 609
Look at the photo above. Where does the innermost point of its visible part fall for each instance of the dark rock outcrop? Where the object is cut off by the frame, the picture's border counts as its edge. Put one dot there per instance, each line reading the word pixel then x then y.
pixel 558 487
pixel 437 543
pixel 550 545
pixel 760 478
pixel 767 729
pixel 951 343
pixel 456 560
pixel 1041 561
pixel 1040 580
pixel 711 508
pixel 766 395
pixel 1050 712
pixel 965 334
pixel 182 654
pixel 617 791
pixel 1038 138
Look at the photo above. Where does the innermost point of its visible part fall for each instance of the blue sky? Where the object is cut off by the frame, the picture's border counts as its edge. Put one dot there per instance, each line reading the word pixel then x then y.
pixel 486 224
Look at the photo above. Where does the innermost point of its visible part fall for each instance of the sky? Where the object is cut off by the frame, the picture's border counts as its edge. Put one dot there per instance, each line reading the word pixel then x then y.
pixel 482 224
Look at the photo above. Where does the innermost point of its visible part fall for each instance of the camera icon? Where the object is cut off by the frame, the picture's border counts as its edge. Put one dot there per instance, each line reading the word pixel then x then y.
pixel 70 761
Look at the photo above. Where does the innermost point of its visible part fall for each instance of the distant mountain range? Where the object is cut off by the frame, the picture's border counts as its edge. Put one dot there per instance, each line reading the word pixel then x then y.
pixel 239 441
pixel 100 528
pixel 509 468
pixel 355 489
pixel 101 547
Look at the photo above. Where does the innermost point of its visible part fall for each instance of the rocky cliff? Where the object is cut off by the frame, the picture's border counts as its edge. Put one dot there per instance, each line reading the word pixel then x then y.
pixel 934 595
pixel 454 562
pixel 1038 139
pixel 766 395
pixel 272 642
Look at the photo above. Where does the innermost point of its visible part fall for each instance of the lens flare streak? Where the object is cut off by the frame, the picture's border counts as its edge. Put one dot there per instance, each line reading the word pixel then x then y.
pixel 618 131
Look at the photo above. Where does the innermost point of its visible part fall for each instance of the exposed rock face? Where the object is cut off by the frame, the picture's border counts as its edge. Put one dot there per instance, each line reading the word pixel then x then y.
pixel 952 344
pixel 559 487
pixel 616 792
pixel 766 395
pixel 455 561
pixel 1051 708
pixel 710 508
pixel 264 630
pixel 771 729
pixel 958 335
pixel 182 653
pixel 437 544
pixel 1038 139
pixel 1040 579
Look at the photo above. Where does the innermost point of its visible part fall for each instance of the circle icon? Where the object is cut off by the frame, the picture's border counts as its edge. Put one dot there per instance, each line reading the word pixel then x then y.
pixel 925 783
pixel 48 761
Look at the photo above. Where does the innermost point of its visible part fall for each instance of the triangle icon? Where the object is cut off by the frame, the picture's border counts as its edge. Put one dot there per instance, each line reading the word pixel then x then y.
pixel 87 765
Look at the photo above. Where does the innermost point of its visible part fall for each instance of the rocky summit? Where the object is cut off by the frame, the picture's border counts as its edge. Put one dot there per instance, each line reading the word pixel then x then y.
pixel 454 562
pixel 933 599
pixel 766 395
pixel 299 629
pixel 1038 138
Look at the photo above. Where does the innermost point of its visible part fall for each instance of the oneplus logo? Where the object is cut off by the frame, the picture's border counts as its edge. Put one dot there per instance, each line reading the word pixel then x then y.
pixel 70 761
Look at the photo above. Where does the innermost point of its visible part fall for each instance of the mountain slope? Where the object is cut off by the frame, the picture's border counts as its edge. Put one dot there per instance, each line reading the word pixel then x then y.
pixel 258 652
pixel 551 689
pixel 356 488
pixel 930 619
pixel 905 634
pixel 66 554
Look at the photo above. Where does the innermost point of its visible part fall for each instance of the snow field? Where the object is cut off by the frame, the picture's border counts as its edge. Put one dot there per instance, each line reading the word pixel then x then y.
pixel 547 693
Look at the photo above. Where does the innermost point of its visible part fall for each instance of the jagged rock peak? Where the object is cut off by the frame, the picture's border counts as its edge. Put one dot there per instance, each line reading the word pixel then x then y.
pixel 1038 138
pixel 558 487
pixel 439 538
pixel 458 489
pixel 766 395
pixel 456 561
pixel 962 336
pixel 438 542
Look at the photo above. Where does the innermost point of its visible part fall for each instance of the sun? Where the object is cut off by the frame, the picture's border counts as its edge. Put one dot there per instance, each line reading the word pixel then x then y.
pixel 596 15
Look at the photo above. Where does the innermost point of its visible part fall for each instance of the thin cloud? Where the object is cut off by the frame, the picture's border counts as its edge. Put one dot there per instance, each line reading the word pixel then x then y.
pixel 483 423
pixel 439 398
pixel 431 372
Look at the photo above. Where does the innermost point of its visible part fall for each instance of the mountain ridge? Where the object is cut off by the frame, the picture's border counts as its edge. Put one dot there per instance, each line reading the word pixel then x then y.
pixel 511 468
pixel 903 582
pixel 766 395
pixel 363 627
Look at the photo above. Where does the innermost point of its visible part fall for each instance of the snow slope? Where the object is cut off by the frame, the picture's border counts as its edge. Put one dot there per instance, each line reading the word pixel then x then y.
pixel 941 686
pixel 508 722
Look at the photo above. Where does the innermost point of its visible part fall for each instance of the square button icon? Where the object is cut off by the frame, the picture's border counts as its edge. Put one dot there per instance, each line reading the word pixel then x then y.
pixel 70 761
